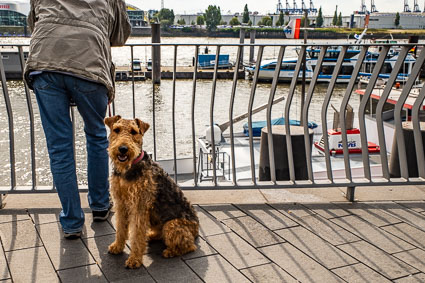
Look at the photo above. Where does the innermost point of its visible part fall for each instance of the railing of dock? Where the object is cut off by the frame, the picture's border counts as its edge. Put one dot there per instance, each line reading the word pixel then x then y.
pixel 217 182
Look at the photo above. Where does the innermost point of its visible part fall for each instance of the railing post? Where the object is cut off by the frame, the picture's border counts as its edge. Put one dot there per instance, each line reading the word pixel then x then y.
pixel 349 195
pixel 156 54
pixel 241 41
pixel 252 34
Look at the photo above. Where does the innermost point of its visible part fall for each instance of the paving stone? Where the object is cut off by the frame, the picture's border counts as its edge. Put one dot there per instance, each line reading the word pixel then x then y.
pixel 417 278
pixel 415 258
pixel 223 211
pixel 408 233
pixel 327 230
pixel 315 247
pixel 270 272
pixel 63 252
pixel 268 216
pixel 204 249
pixel 238 252
pixel 298 264
pixel 4 270
pixel 11 215
pixel 372 234
pixel 252 231
pixel 358 273
pixel 380 261
pixel 418 206
pixel 209 225
pixel 83 274
pixel 31 265
pixel 113 266
pixel 96 229
pixel 370 213
pixel 406 215
pixel 214 269
pixel 169 269
pixel 19 235
pixel 295 210
pixel 44 215
pixel 327 210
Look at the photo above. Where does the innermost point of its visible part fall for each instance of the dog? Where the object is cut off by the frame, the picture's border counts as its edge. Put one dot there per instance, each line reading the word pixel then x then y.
pixel 148 204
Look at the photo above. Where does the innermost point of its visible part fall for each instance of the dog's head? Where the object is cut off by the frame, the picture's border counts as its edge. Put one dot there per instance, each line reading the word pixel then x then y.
pixel 125 140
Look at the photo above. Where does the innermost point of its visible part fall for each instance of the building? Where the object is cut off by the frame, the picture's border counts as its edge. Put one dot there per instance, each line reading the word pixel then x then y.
pixel 138 18
pixel 14 12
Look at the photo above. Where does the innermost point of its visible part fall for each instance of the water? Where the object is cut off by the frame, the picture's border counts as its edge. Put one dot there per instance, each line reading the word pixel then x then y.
pixel 163 107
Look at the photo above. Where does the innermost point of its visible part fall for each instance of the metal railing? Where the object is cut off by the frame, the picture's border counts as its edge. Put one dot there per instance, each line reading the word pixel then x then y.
pixel 233 181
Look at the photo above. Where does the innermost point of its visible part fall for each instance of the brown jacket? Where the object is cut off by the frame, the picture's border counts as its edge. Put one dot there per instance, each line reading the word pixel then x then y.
pixel 75 36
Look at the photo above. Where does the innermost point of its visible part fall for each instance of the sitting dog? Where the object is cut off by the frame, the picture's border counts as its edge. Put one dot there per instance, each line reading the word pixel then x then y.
pixel 148 204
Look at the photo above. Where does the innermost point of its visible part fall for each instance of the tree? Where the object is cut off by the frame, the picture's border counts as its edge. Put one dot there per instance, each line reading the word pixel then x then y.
pixel 266 21
pixel 397 19
pixel 212 17
pixel 302 21
pixel 339 22
pixel 281 19
pixel 234 21
pixel 250 23
pixel 319 19
pixel 245 15
pixel 200 20
pixel 166 17
pixel 181 22
pixel 335 18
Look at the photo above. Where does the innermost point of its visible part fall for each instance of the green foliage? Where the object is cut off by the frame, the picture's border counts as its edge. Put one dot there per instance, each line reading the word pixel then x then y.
pixel 302 21
pixel 335 18
pixel 250 23
pixel 165 24
pixel 339 22
pixel 187 29
pixel 281 19
pixel 319 19
pixel 200 20
pixel 234 21
pixel 245 15
pixel 166 14
pixel 181 22
pixel 212 17
pixel 223 23
pixel 266 21
pixel 397 19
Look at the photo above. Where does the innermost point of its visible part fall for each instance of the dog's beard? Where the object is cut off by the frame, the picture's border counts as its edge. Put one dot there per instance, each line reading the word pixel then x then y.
pixel 123 162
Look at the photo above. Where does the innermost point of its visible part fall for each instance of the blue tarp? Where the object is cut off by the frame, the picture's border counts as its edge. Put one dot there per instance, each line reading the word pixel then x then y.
pixel 258 125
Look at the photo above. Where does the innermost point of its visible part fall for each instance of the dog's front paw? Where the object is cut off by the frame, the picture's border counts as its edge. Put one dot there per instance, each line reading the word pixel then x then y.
pixel 115 248
pixel 133 262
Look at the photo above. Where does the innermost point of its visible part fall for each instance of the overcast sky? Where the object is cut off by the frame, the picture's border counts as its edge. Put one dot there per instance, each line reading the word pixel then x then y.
pixel 266 6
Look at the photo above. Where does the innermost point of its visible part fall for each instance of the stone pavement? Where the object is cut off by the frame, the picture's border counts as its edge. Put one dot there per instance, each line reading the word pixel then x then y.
pixel 253 236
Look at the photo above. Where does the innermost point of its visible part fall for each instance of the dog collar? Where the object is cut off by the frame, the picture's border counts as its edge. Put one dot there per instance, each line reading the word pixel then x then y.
pixel 139 158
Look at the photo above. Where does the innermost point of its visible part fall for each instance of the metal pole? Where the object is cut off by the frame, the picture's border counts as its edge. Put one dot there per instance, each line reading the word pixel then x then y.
pixel 241 41
pixel 252 34
pixel 156 54
pixel 304 70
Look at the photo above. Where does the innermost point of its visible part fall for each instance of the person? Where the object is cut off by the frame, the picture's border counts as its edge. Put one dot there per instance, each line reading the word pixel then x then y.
pixel 70 63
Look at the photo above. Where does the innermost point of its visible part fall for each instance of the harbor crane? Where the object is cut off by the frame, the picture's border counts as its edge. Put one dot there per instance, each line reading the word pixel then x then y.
pixel 294 9
pixel 363 9
pixel 416 8
pixel 406 6
pixel 373 7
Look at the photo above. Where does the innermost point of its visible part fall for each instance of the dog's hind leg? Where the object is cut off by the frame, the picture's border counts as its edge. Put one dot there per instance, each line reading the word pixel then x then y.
pixel 179 237
pixel 122 222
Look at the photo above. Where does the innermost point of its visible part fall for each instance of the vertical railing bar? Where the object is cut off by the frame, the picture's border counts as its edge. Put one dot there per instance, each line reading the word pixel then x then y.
pixel 132 83
pixel 269 114
pixel 380 106
pixel 153 106
pixel 417 132
pixel 325 106
pixel 397 114
pixel 306 108
pixel 231 108
pixel 291 93
pixel 250 106
pixel 174 112
pixel 113 107
pixel 362 109
pixel 195 74
pixel 217 58
pixel 31 117
pixel 11 128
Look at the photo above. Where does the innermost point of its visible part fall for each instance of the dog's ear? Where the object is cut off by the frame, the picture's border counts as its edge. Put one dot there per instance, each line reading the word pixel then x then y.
pixel 109 121
pixel 142 126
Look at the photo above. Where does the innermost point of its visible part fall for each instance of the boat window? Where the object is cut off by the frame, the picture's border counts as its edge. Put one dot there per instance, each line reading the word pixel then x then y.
pixel 4 57
pixel 287 67
pixel 368 67
pixel 404 68
pixel 386 68
pixel 270 66
pixel 346 70
pixel 313 55
pixel 350 55
pixel 327 70
pixel 332 54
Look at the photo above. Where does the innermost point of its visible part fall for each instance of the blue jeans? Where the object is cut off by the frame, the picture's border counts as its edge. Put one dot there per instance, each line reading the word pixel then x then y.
pixel 54 92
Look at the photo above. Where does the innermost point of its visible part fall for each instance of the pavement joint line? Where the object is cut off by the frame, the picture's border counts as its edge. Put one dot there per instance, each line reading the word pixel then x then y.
pixel 413 274
pixel 77 266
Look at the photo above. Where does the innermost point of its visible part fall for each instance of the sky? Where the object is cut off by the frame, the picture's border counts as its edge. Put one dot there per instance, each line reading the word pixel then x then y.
pixel 268 6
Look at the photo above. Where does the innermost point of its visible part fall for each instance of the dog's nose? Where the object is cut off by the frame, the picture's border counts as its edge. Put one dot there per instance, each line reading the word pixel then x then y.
pixel 123 149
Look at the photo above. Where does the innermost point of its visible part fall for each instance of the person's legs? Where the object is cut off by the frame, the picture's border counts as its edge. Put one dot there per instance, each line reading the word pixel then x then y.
pixel 92 100
pixel 53 102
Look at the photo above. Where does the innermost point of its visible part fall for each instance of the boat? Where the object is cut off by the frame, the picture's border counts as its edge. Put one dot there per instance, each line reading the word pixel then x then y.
pixel 207 61
pixel 12 63
pixel 258 125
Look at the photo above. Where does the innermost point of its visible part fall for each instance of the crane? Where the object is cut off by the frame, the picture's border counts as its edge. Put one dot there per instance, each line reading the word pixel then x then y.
pixel 406 6
pixel 373 7
pixel 416 7
pixel 363 9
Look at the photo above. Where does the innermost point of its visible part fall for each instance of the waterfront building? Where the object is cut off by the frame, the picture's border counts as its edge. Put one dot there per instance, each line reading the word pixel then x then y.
pixel 14 12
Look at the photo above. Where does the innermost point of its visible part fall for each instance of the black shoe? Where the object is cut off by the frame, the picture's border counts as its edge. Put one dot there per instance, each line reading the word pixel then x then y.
pixel 100 215
pixel 72 236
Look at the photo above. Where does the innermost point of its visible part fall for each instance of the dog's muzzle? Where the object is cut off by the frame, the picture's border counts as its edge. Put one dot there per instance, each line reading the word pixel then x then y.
pixel 122 156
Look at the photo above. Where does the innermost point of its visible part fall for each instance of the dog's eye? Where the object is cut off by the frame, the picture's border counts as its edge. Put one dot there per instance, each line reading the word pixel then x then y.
pixel 133 132
pixel 117 130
